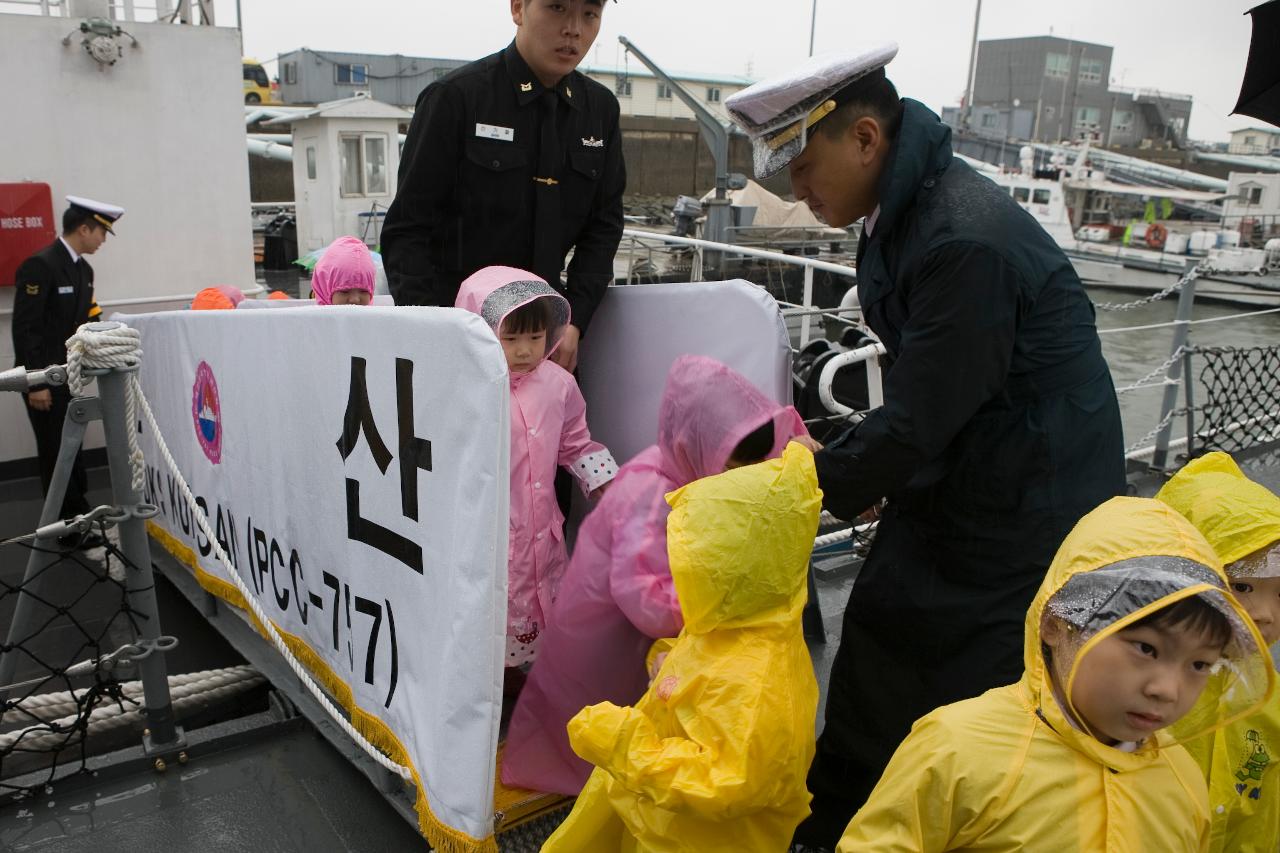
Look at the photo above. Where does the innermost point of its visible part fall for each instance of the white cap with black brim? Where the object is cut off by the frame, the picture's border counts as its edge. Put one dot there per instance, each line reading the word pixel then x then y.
pixel 777 113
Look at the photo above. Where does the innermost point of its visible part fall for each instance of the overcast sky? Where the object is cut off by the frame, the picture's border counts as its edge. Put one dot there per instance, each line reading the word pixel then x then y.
pixel 1196 47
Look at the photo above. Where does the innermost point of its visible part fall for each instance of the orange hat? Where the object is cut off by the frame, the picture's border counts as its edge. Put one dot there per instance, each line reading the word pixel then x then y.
pixel 211 298
pixel 278 294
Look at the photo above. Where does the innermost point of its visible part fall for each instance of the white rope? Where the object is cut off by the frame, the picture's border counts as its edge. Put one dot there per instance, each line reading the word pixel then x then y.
pixel 209 687
pixel 68 701
pixel 118 346
pixel 250 599
pixel 1201 321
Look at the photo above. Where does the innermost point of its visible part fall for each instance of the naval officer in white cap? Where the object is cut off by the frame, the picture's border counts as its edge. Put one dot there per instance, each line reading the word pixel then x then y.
pixel 999 428
pixel 54 297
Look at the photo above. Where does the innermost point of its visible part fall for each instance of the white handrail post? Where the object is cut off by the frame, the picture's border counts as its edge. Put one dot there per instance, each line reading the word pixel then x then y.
pixel 808 303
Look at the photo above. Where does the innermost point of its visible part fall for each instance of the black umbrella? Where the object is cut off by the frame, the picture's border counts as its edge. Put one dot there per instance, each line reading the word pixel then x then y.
pixel 1260 91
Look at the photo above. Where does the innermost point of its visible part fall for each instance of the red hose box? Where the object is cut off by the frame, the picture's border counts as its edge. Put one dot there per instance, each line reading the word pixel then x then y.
pixel 26 225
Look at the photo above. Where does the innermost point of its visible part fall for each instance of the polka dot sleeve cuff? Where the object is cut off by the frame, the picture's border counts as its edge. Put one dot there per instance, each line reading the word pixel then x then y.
pixel 594 470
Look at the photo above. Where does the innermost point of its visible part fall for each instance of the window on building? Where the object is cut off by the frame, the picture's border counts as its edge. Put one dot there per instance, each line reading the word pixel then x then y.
pixel 713 94
pixel 622 87
pixel 1021 194
pixel 311 162
pixel 1251 141
pixel 363 161
pixel 1122 121
pixel 990 119
pixel 664 92
pixel 1040 197
pixel 1252 194
pixel 351 75
pixel 1057 65
pixel 290 72
pixel 1088 117
pixel 1091 70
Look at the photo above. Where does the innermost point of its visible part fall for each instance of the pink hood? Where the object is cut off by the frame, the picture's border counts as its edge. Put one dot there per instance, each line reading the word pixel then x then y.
pixel 707 408
pixel 494 292
pixel 345 265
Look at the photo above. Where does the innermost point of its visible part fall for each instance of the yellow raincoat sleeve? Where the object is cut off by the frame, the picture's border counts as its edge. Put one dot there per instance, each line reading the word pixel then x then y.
pixel 923 802
pixel 675 773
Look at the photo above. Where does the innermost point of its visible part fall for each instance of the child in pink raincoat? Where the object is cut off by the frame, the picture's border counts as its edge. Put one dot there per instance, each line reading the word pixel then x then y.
pixel 617 596
pixel 345 274
pixel 548 429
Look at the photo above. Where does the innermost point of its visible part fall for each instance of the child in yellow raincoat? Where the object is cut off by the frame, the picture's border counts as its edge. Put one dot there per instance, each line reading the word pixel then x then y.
pixel 1121 639
pixel 713 757
pixel 1241 520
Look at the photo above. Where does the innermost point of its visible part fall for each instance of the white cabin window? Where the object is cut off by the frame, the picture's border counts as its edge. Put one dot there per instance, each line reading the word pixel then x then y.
pixel 351 74
pixel 1021 194
pixel 622 87
pixel 1252 195
pixel 990 119
pixel 1088 116
pixel 664 92
pixel 713 94
pixel 311 162
pixel 1040 197
pixel 363 159
pixel 289 70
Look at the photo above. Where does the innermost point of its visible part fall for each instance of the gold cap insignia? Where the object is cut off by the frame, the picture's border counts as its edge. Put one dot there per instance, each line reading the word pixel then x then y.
pixel 33 290
pixel 526 87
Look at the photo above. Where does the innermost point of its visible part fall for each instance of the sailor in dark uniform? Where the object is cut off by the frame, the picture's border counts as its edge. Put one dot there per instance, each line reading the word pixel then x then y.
pixel 999 429
pixel 54 297
pixel 513 160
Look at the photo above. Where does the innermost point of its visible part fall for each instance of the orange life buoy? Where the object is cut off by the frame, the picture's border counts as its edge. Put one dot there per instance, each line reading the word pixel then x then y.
pixel 1156 235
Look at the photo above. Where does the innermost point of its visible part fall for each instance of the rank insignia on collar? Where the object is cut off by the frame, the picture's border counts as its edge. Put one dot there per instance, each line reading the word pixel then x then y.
pixel 33 290
pixel 568 91
pixel 526 87
pixel 592 142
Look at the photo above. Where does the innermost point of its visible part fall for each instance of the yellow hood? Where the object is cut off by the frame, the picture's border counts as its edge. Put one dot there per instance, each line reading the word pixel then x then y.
pixel 739 543
pixel 1236 515
pixel 1133 531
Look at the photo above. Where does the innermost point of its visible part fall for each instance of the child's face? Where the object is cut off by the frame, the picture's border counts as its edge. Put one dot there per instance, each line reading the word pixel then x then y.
pixel 523 349
pixel 1260 597
pixel 355 296
pixel 1138 679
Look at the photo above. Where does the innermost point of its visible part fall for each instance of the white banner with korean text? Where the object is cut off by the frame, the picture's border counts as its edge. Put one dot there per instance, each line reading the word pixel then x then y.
pixel 353 462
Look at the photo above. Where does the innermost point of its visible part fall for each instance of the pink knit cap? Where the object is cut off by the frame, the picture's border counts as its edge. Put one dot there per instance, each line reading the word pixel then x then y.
pixel 345 265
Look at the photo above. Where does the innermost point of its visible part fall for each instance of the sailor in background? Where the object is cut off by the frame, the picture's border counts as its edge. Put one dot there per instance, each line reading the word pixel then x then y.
pixel 513 160
pixel 999 430
pixel 54 297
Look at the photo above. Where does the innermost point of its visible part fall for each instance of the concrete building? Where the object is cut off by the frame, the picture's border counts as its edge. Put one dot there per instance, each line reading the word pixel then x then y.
pixel 1254 140
pixel 1049 89
pixel 640 93
pixel 1253 204
pixel 315 77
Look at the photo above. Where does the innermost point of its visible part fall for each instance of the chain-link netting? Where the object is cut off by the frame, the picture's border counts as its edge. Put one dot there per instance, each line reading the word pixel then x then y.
pixel 62 660
pixel 1241 408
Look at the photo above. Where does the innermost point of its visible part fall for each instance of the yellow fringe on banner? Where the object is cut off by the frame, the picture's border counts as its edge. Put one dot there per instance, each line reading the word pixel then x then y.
pixel 442 837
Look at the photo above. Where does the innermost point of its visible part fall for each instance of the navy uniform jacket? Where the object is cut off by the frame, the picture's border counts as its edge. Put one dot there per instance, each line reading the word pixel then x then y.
pixel 53 298
pixel 466 201
pixel 1000 426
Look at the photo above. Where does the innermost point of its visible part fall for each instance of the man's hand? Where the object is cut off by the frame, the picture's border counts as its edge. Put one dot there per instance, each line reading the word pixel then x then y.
pixel 566 355
pixel 41 401
pixel 807 442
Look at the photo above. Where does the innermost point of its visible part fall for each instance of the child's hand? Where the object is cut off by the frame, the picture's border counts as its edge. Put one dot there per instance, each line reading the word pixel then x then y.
pixel 599 491
pixel 657 665
pixel 807 443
